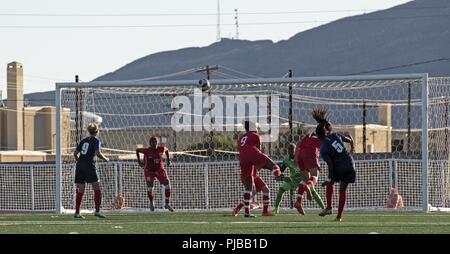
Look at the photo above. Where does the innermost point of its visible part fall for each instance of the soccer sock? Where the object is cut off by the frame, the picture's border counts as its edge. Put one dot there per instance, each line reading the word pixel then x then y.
pixel 329 189
pixel 239 206
pixel 150 196
pixel 247 197
pixel 150 193
pixel 312 181
pixel 301 190
pixel 317 198
pixel 79 199
pixel 279 197
pixel 342 199
pixel 266 202
pixel 167 195
pixel 97 200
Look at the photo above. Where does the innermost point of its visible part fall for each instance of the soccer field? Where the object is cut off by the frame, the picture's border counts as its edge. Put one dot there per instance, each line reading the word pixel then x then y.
pixel 224 223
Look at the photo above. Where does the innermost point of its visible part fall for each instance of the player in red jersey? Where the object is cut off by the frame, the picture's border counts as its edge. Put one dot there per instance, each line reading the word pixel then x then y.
pixel 154 168
pixel 307 158
pixel 251 159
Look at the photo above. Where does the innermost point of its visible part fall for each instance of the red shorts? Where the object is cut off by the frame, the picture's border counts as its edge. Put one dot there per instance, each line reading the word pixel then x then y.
pixel 308 159
pixel 258 183
pixel 161 175
pixel 251 161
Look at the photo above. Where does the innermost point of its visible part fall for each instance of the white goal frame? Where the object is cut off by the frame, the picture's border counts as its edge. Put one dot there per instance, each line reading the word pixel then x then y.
pixel 419 76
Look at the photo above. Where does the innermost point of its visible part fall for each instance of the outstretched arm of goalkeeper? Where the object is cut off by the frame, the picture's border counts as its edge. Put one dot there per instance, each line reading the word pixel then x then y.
pixel 282 177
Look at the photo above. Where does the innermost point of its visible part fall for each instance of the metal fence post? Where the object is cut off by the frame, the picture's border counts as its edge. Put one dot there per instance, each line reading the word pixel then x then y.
pixel 32 188
pixel 206 185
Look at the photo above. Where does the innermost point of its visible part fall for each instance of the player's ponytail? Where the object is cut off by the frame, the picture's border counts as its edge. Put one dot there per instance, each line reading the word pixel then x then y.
pixel 321 116
pixel 321 131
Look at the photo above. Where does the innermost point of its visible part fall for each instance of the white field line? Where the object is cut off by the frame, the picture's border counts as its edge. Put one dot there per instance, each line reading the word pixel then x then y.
pixel 299 223
pixel 351 214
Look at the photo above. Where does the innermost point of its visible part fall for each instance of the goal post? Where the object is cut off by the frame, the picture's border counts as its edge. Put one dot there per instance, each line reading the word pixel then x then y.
pixel 388 115
pixel 425 200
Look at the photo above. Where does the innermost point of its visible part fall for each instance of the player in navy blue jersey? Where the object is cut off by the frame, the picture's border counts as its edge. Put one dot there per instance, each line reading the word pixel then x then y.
pixel 340 163
pixel 86 172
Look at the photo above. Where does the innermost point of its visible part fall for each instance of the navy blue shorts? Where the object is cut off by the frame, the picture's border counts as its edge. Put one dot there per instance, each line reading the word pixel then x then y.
pixel 86 174
pixel 346 176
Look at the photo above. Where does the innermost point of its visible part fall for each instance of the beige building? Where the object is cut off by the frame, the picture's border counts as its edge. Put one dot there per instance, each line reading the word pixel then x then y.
pixel 24 129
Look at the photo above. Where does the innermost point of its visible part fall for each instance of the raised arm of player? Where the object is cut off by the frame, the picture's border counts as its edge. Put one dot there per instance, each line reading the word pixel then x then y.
pixel 138 157
pixel 167 156
pixel 349 139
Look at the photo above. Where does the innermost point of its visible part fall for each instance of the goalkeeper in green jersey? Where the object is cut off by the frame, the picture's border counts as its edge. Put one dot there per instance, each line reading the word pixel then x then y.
pixel 292 182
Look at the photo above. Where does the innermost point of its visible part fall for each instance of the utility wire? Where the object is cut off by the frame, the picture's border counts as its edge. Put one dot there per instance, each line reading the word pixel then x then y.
pixel 207 14
pixel 400 66
pixel 346 19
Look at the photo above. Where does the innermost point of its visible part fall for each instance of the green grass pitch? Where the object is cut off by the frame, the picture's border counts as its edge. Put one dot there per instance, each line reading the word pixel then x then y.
pixel 224 223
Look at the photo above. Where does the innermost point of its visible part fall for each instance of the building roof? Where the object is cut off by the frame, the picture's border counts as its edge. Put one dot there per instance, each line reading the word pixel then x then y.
pixel 23 152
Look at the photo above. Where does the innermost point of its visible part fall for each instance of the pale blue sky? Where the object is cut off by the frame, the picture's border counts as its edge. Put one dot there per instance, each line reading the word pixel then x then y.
pixel 57 54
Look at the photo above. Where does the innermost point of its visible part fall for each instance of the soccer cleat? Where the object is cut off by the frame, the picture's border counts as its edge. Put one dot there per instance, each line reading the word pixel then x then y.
pixel 326 212
pixel 99 215
pixel 299 207
pixel 152 206
pixel 78 216
pixel 249 215
pixel 268 213
pixel 168 207
pixel 276 210
pixel 338 219
pixel 236 211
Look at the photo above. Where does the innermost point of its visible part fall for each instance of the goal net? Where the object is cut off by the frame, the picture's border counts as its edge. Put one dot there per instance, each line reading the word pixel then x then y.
pixel 387 115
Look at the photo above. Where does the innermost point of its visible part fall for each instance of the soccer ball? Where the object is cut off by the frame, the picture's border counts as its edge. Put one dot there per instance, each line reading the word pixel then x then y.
pixel 204 85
